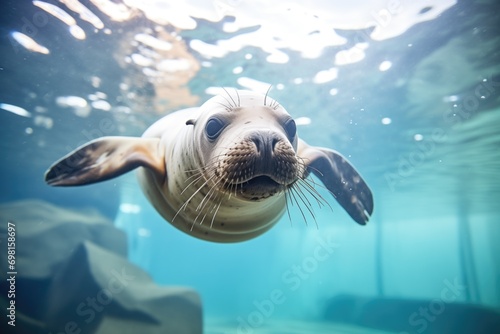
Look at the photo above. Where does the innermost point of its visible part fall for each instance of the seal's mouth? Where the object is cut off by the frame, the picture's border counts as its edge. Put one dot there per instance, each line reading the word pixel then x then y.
pixel 260 187
pixel 262 181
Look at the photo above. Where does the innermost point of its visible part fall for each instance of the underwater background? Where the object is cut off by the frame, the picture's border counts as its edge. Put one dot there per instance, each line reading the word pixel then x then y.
pixel 408 91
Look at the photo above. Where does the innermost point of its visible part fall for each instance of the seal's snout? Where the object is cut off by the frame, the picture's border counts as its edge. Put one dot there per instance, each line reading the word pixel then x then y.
pixel 268 155
pixel 260 165
pixel 265 144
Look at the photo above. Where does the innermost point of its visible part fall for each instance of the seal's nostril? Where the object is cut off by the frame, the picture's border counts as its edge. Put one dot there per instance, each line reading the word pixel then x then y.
pixel 258 143
pixel 274 142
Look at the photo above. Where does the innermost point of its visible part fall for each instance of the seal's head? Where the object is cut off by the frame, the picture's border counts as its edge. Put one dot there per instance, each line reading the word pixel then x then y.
pixel 247 145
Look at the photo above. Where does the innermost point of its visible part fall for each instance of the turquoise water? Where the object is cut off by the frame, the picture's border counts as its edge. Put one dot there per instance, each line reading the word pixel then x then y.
pixel 408 93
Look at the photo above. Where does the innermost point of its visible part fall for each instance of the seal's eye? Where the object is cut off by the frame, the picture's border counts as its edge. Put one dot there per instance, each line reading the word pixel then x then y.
pixel 290 128
pixel 214 128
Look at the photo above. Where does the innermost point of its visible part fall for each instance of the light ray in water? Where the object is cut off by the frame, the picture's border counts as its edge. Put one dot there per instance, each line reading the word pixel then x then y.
pixel 85 13
pixel 29 43
pixel 57 12
pixel 15 109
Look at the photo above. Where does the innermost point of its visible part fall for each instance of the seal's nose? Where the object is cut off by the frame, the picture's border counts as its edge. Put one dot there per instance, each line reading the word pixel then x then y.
pixel 265 142
pixel 264 154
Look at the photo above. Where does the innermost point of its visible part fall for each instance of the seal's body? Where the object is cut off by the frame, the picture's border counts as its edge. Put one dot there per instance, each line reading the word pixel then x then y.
pixel 222 172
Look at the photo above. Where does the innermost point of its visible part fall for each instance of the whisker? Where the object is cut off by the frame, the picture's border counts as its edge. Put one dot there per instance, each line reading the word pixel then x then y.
pixel 305 183
pixel 204 202
pixel 287 209
pixel 198 177
pixel 267 92
pixel 229 191
pixel 322 186
pixel 317 170
pixel 183 206
pixel 202 219
pixel 228 107
pixel 298 189
pixel 304 200
pixel 212 209
pixel 308 181
pixel 201 210
pixel 209 194
pixel 291 192
pixel 215 214
pixel 234 102
pixel 207 170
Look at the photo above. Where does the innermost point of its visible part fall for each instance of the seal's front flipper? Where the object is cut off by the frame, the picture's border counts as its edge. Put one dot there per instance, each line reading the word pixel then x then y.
pixel 106 158
pixel 341 179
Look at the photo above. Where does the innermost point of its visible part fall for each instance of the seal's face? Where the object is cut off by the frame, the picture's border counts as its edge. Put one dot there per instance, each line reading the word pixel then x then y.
pixel 248 146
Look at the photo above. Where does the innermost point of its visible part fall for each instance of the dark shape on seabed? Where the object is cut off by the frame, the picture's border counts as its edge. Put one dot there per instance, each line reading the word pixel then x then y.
pixel 73 276
pixel 437 316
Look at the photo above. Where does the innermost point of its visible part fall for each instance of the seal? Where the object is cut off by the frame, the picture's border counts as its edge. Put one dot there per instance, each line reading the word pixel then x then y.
pixel 222 172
